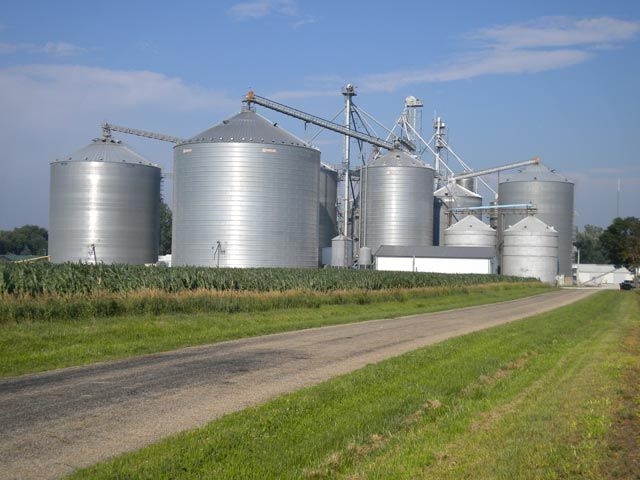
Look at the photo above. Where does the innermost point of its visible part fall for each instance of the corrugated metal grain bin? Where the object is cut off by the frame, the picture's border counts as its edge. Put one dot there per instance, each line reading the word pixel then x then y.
pixel 470 232
pixel 448 197
pixel 530 250
pixel 396 192
pixel 245 195
pixel 553 195
pixel 328 190
pixel 104 206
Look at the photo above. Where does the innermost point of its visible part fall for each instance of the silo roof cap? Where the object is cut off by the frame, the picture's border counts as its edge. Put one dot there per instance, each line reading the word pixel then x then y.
pixel 455 190
pixel 533 225
pixel 106 149
pixel 396 158
pixel 532 173
pixel 470 223
pixel 247 127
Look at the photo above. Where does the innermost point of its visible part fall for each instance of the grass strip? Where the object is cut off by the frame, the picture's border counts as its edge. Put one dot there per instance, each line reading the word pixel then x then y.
pixel 531 399
pixel 32 346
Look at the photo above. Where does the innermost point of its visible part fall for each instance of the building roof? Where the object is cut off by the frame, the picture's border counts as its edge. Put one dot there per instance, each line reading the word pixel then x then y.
pixel 422 251
pixel 247 127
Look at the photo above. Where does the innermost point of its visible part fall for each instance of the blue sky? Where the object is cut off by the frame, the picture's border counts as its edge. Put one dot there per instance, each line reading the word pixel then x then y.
pixel 512 80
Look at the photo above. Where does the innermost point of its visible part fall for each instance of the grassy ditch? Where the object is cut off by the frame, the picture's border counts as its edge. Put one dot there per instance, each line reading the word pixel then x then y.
pixel 532 399
pixel 35 345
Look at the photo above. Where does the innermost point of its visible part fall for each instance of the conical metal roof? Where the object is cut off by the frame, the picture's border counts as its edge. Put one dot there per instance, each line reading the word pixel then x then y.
pixel 533 226
pixel 106 149
pixel 396 158
pixel 455 190
pixel 470 223
pixel 537 172
pixel 247 127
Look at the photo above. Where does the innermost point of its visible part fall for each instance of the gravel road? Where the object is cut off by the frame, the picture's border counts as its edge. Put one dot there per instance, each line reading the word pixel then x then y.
pixel 55 422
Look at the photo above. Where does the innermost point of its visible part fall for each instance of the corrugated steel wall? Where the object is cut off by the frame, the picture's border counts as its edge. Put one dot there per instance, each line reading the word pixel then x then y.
pixel 397 204
pixel 328 189
pixel 245 205
pixel 114 206
pixel 554 198
pixel 530 250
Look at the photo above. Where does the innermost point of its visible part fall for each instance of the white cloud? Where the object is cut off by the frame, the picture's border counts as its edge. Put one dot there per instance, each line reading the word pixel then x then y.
pixel 61 49
pixel 250 10
pixel 550 43
pixel 305 21
pixel 263 8
pixel 56 49
pixel 49 111
pixel 496 62
pixel 555 32
pixel 8 48
pixel 60 88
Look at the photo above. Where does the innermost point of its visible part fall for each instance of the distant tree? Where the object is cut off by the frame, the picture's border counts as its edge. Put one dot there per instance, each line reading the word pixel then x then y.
pixel 5 244
pixel 166 219
pixel 25 240
pixel 588 242
pixel 621 241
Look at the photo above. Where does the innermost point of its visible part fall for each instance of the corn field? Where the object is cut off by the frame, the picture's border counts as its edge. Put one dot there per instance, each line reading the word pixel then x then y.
pixel 38 279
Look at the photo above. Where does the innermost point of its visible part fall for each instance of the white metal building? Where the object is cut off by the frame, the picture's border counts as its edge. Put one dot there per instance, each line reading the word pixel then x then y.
pixel 436 259
pixel 589 274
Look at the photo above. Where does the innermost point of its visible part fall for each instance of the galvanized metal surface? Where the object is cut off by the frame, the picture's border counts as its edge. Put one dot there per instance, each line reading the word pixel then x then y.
pixel 530 249
pixel 341 252
pixel 328 189
pixel 245 199
pixel 448 197
pixel 553 195
pixel 397 202
pixel 365 257
pixel 106 197
pixel 470 232
pixel 247 127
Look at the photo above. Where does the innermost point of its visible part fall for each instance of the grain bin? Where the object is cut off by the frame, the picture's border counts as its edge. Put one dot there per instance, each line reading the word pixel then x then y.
pixel 530 250
pixel 341 252
pixel 245 195
pixel 396 192
pixel 553 195
pixel 104 206
pixel 445 198
pixel 470 232
pixel 328 188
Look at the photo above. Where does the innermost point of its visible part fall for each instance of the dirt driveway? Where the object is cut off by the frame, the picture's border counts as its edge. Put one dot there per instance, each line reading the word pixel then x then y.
pixel 55 422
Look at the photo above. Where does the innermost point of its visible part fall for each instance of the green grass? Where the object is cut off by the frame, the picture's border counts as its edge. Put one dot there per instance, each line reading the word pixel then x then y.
pixel 531 399
pixel 32 346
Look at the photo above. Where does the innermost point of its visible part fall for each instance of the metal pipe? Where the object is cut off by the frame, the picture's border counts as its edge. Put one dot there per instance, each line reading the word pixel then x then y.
pixel 486 171
pixel 348 93
pixel 495 207
pixel 107 128
pixel 251 97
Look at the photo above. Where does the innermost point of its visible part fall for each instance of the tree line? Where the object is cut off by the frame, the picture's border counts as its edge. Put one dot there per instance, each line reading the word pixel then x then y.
pixel 618 244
